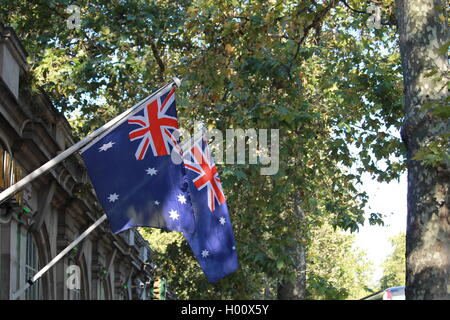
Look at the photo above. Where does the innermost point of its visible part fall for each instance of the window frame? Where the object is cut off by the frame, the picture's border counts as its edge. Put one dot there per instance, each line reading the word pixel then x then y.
pixel 31 266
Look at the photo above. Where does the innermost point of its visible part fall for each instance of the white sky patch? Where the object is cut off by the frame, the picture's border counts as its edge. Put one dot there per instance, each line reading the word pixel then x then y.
pixel 388 199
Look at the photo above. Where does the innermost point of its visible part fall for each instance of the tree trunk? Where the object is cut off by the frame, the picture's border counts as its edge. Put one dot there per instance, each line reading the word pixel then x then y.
pixel 295 290
pixel 423 29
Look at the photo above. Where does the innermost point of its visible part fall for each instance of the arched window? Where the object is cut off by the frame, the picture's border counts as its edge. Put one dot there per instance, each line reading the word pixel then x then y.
pixel 74 293
pixel 101 290
pixel 31 268
pixel 10 172
pixel 1 253
pixel 5 168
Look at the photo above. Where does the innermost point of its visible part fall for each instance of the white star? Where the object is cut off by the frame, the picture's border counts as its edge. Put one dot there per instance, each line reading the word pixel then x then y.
pixel 156 203
pixel 113 197
pixel 174 214
pixel 234 248
pixel 151 171
pixel 222 220
pixel 205 253
pixel 181 199
pixel 106 146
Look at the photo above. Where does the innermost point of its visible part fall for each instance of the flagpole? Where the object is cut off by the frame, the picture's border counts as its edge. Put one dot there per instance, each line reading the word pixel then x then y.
pixel 31 281
pixel 77 146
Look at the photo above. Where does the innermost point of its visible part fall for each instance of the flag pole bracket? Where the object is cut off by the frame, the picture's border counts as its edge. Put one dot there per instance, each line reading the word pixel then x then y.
pixel 177 82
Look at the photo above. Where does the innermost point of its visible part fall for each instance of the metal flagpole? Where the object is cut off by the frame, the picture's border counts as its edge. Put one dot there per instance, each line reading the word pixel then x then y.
pixel 31 281
pixel 77 146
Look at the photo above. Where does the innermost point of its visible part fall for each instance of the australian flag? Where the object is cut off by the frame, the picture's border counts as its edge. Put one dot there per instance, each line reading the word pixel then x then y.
pixel 212 242
pixel 132 172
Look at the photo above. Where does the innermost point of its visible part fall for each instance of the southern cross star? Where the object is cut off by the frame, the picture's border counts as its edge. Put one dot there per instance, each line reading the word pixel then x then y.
pixel 205 253
pixel 174 214
pixel 106 146
pixel 156 203
pixel 113 197
pixel 181 199
pixel 151 171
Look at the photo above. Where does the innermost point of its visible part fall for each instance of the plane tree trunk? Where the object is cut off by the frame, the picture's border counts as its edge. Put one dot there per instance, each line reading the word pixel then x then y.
pixel 295 290
pixel 423 29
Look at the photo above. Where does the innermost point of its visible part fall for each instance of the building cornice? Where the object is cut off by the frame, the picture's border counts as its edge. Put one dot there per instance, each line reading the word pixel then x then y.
pixel 10 38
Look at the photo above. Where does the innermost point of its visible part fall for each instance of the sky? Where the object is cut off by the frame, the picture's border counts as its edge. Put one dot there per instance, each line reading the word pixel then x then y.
pixel 388 199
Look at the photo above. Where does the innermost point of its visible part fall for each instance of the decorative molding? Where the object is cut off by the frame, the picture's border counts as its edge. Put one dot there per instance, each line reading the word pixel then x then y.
pixel 44 201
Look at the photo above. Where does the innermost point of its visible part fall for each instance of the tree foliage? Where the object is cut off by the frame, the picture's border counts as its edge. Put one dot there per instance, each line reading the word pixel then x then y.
pixel 312 69
pixel 336 269
pixel 394 267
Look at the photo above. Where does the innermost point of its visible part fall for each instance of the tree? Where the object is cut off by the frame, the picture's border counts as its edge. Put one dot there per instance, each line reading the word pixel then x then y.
pixel 278 66
pixel 337 270
pixel 311 69
pixel 424 40
pixel 394 271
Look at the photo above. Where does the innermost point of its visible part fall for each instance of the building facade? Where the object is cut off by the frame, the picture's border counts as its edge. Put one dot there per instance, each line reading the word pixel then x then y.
pixel 48 214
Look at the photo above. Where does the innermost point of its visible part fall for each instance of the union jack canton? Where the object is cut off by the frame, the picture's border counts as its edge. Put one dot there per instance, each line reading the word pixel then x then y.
pixel 156 127
pixel 198 159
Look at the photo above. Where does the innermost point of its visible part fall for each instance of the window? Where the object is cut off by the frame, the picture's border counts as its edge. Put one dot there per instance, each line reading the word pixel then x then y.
pixel 74 293
pixel 1 253
pixel 31 268
pixel 10 172
pixel 120 295
pixel 5 168
pixel 101 293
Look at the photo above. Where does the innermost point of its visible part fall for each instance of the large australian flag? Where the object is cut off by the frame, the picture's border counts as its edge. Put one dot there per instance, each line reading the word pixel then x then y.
pixel 213 241
pixel 132 172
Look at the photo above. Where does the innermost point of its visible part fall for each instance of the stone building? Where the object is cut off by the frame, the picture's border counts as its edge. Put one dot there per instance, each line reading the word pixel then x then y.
pixel 49 213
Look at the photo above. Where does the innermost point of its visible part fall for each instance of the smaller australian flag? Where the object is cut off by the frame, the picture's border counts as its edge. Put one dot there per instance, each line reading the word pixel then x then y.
pixel 213 241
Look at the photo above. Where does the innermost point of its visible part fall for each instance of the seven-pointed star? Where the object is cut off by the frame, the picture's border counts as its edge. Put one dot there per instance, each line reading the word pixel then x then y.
pixel 222 220
pixel 205 253
pixel 151 171
pixel 174 214
pixel 106 146
pixel 113 197
pixel 181 199
pixel 156 203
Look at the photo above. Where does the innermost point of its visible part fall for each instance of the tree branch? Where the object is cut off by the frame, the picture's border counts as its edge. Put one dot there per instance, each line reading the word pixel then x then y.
pixel 161 65
pixel 314 25
pixel 354 10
